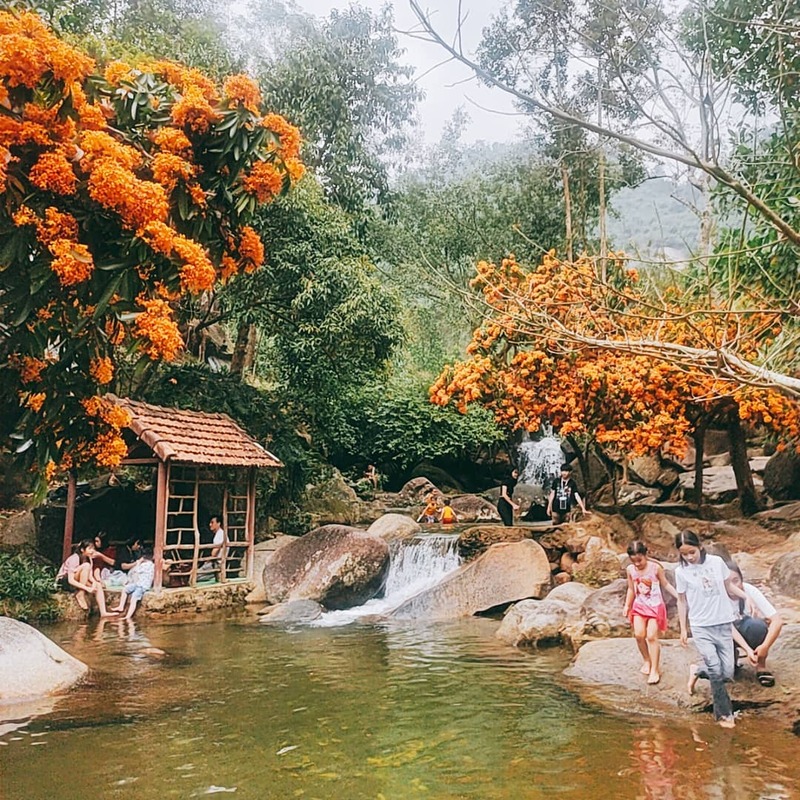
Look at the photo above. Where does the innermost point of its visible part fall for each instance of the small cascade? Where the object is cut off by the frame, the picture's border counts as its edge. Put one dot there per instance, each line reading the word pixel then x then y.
pixel 414 565
pixel 540 460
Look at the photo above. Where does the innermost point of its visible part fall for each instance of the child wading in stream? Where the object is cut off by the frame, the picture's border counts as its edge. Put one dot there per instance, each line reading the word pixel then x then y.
pixel 645 606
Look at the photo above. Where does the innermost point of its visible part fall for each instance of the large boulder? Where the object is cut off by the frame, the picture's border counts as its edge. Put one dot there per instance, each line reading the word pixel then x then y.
pixel 472 508
pixel 503 574
pixel 33 666
pixel 335 565
pixel 332 500
pixel 533 622
pixel 394 526
pixel 262 553
pixel 785 575
pixel 782 476
pixel 17 529
pixel 474 541
pixel 719 484
pixel 647 468
pixel 415 491
pixel 570 594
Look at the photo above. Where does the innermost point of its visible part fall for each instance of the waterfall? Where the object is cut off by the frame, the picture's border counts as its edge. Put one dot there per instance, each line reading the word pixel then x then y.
pixel 539 460
pixel 414 565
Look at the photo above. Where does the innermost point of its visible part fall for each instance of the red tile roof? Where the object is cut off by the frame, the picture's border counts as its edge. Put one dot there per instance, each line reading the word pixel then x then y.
pixel 194 437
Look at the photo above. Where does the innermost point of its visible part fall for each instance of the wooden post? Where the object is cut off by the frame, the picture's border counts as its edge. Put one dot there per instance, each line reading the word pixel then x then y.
pixel 162 504
pixel 196 524
pixel 69 516
pixel 250 522
pixel 222 556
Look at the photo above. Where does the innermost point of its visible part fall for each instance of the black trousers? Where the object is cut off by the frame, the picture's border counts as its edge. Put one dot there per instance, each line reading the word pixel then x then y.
pixel 506 512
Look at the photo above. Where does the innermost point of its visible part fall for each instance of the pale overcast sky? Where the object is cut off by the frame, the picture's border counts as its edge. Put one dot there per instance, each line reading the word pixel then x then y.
pixel 443 89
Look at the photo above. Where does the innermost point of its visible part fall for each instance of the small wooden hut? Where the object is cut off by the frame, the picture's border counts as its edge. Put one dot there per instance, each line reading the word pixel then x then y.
pixel 205 465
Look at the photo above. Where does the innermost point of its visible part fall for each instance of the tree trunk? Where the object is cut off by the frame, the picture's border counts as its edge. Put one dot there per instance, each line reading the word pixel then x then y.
pixel 240 349
pixel 601 178
pixel 748 500
pixel 567 210
pixel 699 457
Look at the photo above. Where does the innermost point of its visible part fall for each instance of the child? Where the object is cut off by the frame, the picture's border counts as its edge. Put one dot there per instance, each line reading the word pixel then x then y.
pixel 645 606
pixel 431 511
pixel 140 580
pixel 448 516
pixel 75 575
pixel 704 583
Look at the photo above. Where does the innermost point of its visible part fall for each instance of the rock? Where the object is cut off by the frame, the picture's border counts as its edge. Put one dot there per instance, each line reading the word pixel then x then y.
pixel 472 508
pixel 614 530
pixel 597 565
pixel 758 464
pixel 394 526
pixel 263 553
pixel 785 575
pixel 32 665
pixel 608 670
pixel 782 476
pixel 474 541
pixel 335 565
pixel 567 563
pixel 17 528
pixel 752 567
pixel 719 460
pixel 647 468
pixel 438 476
pixel 627 494
pixel 332 501
pixel 668 477
pixel 295 611
pixel 601 611
pixel 788 513
pixel 570 594
pixel 415 491
pixel 532 622
pixel 561 578
pixel 503 574
pixel 719 484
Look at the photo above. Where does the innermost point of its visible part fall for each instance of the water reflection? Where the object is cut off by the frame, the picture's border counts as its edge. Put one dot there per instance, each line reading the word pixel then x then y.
pixel 392 711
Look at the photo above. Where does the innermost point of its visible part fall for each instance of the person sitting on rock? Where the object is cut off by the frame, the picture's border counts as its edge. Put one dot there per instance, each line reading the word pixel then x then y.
pixel 140 580
pixel 564 496
pixel 757 633
pixel 371 474
pixel 76 576
pixel 104 557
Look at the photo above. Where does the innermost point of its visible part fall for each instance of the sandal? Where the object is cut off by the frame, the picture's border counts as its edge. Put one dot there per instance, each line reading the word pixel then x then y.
pixel 765 678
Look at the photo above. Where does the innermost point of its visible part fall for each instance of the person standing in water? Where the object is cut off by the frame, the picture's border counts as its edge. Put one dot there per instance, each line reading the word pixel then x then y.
pixel 506 505
pixel 704 584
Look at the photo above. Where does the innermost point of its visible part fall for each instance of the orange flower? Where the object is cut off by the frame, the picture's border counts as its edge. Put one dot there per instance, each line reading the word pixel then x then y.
pixel 137 202
pixel 35 401
pixel 242 90
pixel 73 263
pixel 251 249
pixel 116 72
pixel 264 181
pixel 102 370
pixel 57 225
pixel 53 173
pixel 168 169
pixel 115 331
pixel 289 135
pixel 109 449
pixel 155 325
pixel 194 111
pixel 99 146
pixel 172 140
pixel 295 168
pixel 197 273
pixel 30 369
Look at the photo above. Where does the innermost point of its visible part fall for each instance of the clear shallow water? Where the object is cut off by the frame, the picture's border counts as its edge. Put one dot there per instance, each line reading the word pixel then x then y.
pixel 243 710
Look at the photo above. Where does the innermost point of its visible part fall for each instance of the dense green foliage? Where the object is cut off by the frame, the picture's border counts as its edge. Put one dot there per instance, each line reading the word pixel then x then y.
pixel 26 587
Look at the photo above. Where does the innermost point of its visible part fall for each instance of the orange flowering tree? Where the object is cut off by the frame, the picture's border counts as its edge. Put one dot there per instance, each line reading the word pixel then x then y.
pixel 556 345
pixel 123 194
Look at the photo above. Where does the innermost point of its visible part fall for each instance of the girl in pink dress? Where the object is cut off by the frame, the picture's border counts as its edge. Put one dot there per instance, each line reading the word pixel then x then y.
pixel 645 606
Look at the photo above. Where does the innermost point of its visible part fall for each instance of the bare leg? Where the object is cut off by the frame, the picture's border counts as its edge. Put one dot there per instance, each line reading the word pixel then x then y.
pixel 123 596
pixel 83 575
pixel 640 632
pixel 654 649
pixel 132 606
pixel 693 678
pixel 101 601
pixel 80 599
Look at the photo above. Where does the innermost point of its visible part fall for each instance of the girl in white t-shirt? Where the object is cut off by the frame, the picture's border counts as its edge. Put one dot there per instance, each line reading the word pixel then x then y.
pixel 704 584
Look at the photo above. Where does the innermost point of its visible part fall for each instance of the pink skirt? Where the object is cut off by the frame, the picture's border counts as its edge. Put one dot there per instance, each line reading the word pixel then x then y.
pixel 658 613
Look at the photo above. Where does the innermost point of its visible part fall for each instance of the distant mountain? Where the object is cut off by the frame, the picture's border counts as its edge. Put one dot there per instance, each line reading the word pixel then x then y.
pixel 651 221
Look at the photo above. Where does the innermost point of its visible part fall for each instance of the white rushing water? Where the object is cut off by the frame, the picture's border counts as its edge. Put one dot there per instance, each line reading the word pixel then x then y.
pixel 415 564
pixel 540 460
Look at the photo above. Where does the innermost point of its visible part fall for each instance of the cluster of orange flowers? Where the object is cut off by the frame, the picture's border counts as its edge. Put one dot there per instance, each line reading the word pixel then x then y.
pixel 157 327
pixel 108 448
pixel 243 91
pixel 519 369
pixel 102 370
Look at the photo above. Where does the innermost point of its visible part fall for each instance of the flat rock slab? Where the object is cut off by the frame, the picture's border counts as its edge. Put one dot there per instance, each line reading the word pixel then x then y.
pixel 31 665
pixel 503 574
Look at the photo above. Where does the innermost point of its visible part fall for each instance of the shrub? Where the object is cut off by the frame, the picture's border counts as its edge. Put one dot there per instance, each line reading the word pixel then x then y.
pixel 26 588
